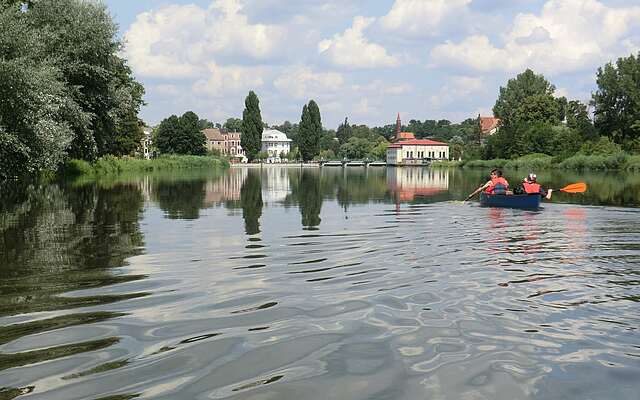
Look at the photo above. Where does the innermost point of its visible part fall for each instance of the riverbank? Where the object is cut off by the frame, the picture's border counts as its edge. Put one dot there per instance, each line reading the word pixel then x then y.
pixel 271 165
pixel 110 165
pixel 610 162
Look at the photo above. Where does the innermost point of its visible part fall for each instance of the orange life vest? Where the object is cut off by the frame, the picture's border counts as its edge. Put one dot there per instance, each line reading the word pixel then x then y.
pixel 531 187
pixel 498 185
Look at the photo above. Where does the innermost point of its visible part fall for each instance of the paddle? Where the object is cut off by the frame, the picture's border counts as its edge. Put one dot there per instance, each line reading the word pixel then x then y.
pixel 474 193
pixel 579 187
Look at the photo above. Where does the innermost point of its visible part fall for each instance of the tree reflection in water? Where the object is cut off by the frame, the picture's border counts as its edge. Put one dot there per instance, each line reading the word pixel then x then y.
pixel 251 202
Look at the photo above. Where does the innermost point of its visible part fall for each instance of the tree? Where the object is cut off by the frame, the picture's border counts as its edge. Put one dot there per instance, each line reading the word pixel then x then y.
pixel 181 135
pixel 251 139
pixel 577 118
pixel 617 100
pixel 251 202
pixel 525 85
pixel 310 131
pixel 233 125
pixel 344 132
pixel 77 97
pixel 538 108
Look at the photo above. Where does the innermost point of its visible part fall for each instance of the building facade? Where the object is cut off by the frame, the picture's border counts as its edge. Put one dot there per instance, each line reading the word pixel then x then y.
pixel 276 144
pixel 416 152
pixel 227 143
pixel 405 149
pixel 146 143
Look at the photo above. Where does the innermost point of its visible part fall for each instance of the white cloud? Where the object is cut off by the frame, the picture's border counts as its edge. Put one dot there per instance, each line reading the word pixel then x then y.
pixel 223 80
pixel 457 89
pixel 178 41
pixel 301 82
pixel 422 17
pixel 351 49
pixel 378 87
pixel 568 35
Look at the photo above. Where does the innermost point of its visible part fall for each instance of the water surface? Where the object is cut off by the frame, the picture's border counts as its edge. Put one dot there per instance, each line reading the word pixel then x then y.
pixel 291 283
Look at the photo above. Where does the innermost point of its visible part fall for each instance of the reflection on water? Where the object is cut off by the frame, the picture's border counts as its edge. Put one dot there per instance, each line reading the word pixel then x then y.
pixel 296 283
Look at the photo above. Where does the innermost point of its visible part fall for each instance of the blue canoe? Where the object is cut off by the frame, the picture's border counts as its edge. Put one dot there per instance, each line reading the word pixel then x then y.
pixel 510 201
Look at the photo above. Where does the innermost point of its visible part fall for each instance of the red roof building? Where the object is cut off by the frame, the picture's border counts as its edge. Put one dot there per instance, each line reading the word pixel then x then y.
pixel 407 150
pixel 489 125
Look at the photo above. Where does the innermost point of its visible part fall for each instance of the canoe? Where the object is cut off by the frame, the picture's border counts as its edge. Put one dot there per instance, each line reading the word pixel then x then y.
pixel 510 201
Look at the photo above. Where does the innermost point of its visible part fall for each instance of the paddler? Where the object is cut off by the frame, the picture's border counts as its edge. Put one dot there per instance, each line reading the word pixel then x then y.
pixel 531 186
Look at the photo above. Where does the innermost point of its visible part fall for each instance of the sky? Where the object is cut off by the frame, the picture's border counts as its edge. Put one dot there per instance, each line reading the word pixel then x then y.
pixel 364 59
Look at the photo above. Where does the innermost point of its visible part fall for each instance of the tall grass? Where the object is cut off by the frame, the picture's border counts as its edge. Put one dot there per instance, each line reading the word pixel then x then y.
pixel 596 162
pixel 445 164
pixel 633 163
pixel 110 165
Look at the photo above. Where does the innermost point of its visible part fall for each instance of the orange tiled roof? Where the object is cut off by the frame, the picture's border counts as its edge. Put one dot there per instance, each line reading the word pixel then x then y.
pixel 487 124
pixel 407 136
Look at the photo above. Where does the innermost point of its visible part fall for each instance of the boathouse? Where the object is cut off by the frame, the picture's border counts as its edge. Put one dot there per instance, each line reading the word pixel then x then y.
pixel 407 150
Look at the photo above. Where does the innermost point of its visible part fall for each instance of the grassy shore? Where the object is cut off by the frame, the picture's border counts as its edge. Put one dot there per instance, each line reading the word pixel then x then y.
pixel 534 162
pixel 111 165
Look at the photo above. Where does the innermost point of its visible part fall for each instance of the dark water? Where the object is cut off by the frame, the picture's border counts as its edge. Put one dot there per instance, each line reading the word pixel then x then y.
pixel 334 284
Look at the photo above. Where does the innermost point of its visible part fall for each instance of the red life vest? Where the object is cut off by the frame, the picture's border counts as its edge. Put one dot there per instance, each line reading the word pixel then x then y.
pixel 498 185
pixel 531 187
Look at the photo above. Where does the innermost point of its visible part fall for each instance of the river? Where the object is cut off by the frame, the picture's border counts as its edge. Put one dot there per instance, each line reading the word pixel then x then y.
pixel 290 283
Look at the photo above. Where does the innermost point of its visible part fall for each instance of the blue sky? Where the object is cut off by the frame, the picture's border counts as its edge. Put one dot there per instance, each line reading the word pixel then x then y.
pixel 365 60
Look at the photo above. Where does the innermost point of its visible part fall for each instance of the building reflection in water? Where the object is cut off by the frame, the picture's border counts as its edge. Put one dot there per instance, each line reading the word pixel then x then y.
pixel 227 188
pixel 410 182
pixel 275 184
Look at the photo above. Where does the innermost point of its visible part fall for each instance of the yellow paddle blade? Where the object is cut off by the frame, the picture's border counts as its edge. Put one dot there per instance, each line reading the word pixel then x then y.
pixel 579 187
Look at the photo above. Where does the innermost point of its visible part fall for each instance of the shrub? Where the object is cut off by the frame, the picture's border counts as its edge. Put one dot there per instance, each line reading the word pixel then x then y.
pixel 601 147
pixel 633 164
pixel 496 163
pixel 77 167
pixel 596 162
pixel 531 162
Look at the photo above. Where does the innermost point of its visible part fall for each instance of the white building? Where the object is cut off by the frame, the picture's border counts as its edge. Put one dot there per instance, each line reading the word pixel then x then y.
pixel 275 143
pixel 416 152
pixel 146 143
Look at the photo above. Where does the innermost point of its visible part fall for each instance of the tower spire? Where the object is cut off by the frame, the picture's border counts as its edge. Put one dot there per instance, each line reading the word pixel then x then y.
pixel 398 127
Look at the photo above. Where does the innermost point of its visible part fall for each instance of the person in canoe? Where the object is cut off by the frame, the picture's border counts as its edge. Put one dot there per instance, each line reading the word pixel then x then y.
pixel 531 186
pixel 497 184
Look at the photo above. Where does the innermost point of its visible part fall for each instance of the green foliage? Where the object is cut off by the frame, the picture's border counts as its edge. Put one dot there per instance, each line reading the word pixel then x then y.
pixel 487 164
pixel 251 202
pixel 233 125
pixel 617 100
pixel 513 103
pixel 601 147
pixel 77 168
pixel 537 108
pixel 596 162
pixel 344 132
pixel 294 154
pixel 326 155
pixel 445 164
pixel 310 131
pixel 180 135
pixel 578 119
pixel 519 139
pixel 63 88
pixel 112 165
pixel 633 163
pixel 252 126
pixel 379 151
pixel 262 155
pixel 530 162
